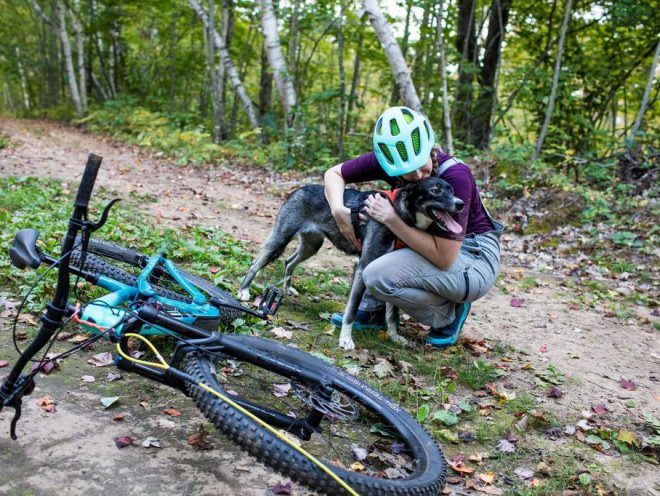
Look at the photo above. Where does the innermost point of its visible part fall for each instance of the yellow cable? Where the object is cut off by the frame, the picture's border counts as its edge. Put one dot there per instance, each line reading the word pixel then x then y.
pixel 164 365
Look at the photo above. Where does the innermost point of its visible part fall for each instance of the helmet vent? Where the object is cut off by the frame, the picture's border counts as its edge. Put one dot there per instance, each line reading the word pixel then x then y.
pixel 379 126
pixel 401 148
pixel 428 131
pixel 386 152
pixel 416 141
pixel 394 127
pixel 407 115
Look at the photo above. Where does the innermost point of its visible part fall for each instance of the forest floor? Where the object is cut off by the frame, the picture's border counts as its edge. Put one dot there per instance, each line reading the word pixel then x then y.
pixel 550 334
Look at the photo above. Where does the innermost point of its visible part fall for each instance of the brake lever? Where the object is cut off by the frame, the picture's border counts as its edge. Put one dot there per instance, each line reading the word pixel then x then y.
pixel 14 398
pixel 104 216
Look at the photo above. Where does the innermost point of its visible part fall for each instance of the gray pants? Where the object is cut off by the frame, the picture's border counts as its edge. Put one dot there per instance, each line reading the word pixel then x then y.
pixel 419 288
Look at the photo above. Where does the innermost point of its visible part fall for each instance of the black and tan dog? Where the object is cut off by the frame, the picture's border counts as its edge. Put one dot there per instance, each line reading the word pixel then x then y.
pixel 306 213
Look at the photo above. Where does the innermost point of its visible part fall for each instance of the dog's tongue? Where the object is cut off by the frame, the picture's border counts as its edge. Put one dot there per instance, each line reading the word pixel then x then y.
pixel 451 224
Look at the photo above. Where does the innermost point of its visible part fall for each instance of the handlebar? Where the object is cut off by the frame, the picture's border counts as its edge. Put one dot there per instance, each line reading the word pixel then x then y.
pixel 16 386
pixel 88 180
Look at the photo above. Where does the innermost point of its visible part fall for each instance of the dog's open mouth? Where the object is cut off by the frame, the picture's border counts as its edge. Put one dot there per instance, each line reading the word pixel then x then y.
pixel 445 221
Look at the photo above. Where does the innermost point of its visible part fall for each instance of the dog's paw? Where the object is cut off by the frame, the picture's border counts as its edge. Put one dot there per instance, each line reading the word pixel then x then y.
pixel 346 338
pixel 243 295
pixel 290 291
pixel 347 344
pixel 398 339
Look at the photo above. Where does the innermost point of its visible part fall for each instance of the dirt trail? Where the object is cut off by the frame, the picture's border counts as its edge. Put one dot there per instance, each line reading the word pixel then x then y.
pixel 594 351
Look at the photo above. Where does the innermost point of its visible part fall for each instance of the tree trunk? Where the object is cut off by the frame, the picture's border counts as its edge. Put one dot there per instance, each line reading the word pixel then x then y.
pixel 394 97
pixel 645 99
pixel 293 39
pixel 394 56
pixel 235 79
pixel 80 47
pixel 483 110
pixel 276 60
pixel 443 76
pixel 216 91
pixel 243 65
pixel 352 97
pixel 68 58
pixel 465 45
pixel 555 82
pixel 23 79
pixel 342 81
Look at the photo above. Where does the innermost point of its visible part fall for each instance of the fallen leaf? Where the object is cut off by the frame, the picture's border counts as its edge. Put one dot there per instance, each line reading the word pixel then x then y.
pixel 360 453
pixel 461 469
pixel 516 302
pixel 492 490
pixel 599 409
pixel 466 437
pixel 198 440
pixel 448 372
pixel 109 401
pixel 626 384
pixel 123 441
pixel 524 473
pixel 45 366
pixel 554 392
pixel 281 390
pixel 119 417
pixel 26 318
pixel 280 488
pixel 164 423
pixel 151 442
pixel 584 425
pixel 488 477
pixel 523 424
pixel 357 467
pixel 47 404
pixel 383 368
pixel 102 359
pixel 88 378
pixel 543 349
pixel 627 437
pixel 172 412
pixel 543 468
pixel 446 417
pixel 282 333
pixel 111 377
pixel 3 363
pixel 505 446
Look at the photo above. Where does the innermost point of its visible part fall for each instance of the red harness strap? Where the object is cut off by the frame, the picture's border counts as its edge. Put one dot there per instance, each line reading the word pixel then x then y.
pixel 391 194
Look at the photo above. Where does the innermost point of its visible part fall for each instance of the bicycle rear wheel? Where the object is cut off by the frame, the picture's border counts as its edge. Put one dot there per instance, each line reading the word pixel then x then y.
pixel 124 264
pixel 366 439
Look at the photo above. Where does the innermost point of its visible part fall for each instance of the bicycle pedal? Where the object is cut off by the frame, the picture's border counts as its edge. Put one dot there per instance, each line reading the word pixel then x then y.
pixel 270 300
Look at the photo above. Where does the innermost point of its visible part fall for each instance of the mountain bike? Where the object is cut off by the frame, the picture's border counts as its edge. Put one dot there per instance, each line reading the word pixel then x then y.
pixel 323 427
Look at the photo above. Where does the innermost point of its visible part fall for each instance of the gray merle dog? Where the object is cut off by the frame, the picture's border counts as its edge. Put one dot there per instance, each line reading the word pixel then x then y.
pixel 306 213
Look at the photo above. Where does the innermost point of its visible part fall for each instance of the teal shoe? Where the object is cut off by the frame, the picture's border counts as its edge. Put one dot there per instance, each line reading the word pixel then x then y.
pixel 448 336
pixel 364 321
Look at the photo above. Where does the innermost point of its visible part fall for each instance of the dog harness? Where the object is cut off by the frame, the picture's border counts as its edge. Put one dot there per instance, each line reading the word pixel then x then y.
pixel 355 211
pixel 355 220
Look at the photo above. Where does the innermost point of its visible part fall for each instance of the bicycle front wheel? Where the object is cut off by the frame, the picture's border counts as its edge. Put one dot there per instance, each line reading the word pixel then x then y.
pixel 366 439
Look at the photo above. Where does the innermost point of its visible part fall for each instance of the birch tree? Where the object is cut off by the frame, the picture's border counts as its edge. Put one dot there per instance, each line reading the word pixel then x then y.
pixel 225 58
pixel 216 91
pixel 276 59
pixel 443 77
pixel 555 82
pixel 647 92
pixel 80 48
pixel 342 80
pixel 59 25
pixel 394 56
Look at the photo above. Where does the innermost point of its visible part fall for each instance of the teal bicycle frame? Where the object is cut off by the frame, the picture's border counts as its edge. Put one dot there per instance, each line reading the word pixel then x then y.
pixel 105 312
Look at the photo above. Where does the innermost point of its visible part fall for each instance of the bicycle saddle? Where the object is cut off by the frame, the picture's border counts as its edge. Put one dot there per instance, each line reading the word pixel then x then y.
pixel 23 251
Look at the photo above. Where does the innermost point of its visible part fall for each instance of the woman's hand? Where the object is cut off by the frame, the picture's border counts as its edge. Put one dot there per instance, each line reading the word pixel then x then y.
pixel 343 219
pixel 380 209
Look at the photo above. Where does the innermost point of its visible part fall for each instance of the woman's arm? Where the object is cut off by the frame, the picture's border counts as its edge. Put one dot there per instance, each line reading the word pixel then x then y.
pixel 334 192
pixel 440 252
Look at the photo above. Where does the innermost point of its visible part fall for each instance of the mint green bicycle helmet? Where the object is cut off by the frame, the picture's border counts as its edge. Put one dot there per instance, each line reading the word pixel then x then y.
pixel 403 140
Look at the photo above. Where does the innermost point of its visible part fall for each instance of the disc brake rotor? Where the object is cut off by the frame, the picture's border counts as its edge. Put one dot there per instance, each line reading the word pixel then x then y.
pixel 337 406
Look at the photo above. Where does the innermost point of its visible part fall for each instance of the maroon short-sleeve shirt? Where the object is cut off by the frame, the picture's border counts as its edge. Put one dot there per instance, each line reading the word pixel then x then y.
pixel 473 218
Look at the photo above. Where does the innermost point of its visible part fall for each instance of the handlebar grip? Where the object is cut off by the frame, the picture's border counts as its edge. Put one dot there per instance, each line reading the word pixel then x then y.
pixel 88 180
